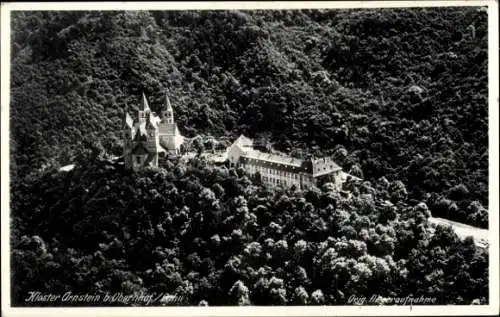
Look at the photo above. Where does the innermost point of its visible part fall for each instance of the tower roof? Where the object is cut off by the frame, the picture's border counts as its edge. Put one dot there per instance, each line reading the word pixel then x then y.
pixel 144 103
pixel 168 106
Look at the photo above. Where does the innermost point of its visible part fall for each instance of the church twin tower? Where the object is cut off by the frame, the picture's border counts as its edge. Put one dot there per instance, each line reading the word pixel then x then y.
pixel 147 136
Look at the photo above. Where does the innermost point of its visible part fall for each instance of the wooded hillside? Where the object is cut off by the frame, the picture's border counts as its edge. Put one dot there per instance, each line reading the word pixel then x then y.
pixel 396 93
pixel 213 236
pixel 398 97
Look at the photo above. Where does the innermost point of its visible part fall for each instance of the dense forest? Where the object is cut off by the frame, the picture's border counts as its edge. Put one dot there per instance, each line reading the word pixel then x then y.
pixel 396 96
pixel 213 236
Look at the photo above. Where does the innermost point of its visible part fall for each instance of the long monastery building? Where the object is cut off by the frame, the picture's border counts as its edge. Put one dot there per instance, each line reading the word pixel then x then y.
pixel 282 170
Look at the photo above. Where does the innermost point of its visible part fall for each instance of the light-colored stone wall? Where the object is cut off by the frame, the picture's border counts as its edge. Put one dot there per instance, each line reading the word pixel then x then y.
pixel 276 177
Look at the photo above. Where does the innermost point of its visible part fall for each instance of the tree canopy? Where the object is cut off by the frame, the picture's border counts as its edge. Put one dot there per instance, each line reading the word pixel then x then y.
pixel 397 97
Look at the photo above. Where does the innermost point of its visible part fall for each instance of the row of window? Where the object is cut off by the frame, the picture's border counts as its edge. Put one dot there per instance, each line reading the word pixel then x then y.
pixel 278 181
pixel 317 169
pixel 271 171
pixel 281 173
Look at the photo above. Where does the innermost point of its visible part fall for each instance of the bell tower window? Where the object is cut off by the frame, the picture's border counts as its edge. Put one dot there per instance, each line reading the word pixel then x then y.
pixel 170 116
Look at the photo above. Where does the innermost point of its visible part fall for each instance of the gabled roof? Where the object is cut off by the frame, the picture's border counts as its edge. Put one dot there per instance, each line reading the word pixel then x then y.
pixel 151 122
pixel 324 165
pixel 243 141
pixel 274 158
pixel 129 122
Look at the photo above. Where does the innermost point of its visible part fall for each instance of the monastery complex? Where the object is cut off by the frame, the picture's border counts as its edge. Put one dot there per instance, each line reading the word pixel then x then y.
pixel 148 136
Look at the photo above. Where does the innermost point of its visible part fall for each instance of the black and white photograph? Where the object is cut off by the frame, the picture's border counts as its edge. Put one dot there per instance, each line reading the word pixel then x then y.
pixel 250 156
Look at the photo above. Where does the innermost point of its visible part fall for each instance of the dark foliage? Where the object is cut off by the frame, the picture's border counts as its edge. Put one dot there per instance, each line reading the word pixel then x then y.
pixel 397 97
pixel 207 234
pixel 402 92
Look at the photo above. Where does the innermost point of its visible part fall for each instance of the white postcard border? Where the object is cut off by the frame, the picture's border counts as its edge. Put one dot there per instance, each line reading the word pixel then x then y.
pixel 493 46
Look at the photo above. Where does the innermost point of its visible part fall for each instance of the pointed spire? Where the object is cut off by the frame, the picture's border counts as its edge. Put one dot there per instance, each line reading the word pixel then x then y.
pixel 167 101
pixel 144 103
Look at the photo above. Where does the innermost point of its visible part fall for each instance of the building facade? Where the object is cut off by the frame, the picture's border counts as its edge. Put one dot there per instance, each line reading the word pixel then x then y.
pixel 147 137
pixel 281 170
